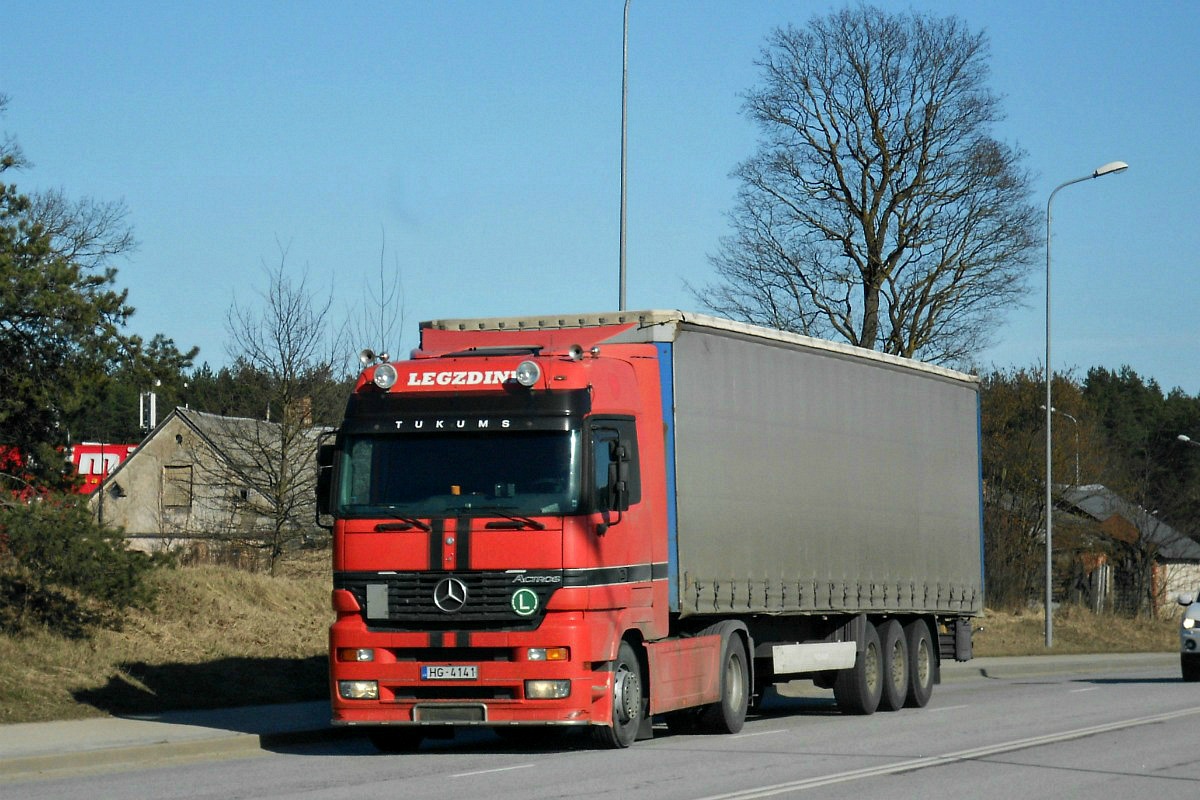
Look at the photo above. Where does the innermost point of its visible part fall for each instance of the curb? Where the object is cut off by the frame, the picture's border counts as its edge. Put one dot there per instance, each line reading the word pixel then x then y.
pixel 86 761
pixel 1017 667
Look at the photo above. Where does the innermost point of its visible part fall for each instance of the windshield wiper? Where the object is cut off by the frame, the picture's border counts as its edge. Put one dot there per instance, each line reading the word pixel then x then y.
pixel 510 520
pixel 405 523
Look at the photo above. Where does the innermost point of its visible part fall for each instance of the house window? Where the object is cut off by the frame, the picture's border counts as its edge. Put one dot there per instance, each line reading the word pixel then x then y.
pixel 177 486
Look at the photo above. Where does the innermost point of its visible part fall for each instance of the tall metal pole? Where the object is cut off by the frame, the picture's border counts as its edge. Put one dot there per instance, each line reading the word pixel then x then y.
pixel 624 104
pixel 1107 169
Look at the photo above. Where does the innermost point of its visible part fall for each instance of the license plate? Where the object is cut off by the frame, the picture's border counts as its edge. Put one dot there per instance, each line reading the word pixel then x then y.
pixel 462 672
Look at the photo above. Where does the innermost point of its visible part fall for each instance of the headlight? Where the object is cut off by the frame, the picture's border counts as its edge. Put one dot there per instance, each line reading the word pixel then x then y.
pixel 1189 623
pixel 358 690
pixel 547 690
pixel 385 376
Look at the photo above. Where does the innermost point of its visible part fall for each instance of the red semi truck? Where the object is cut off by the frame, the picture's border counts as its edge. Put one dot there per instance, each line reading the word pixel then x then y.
pixel 598 520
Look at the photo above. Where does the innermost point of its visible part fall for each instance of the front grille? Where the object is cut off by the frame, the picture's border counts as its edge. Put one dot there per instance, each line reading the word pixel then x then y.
pixel 489 603
pixel 449 655
pixel 453 693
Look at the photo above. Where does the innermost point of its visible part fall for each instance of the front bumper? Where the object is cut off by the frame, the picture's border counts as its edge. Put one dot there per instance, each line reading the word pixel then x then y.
pixel 497 696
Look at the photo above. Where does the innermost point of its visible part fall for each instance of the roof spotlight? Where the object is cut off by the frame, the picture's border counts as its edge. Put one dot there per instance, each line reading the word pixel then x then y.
pixel 528 373
pixel 385 376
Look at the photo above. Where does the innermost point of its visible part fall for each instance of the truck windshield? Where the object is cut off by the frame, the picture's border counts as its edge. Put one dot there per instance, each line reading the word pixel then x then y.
pixel 429 475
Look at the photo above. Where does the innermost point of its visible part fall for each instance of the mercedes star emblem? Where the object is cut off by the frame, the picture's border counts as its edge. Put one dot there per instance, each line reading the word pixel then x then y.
pixel 450 595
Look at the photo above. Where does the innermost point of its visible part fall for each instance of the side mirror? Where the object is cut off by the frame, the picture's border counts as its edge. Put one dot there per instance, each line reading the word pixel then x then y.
pixel 618 477
pixel 325 456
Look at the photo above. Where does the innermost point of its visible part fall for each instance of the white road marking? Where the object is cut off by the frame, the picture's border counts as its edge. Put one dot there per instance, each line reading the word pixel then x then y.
pixel 758 733
pixel 948 758
pixel 490 771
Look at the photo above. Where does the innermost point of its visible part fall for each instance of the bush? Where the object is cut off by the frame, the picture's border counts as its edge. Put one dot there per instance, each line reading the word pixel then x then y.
pixel 60 569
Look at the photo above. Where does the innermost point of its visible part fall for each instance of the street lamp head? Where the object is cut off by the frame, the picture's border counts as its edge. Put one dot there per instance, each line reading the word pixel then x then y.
pixel 1183 437
pixel 1110 168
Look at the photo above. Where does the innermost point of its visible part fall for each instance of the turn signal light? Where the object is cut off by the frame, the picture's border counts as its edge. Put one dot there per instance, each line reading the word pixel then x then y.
pixel 548 654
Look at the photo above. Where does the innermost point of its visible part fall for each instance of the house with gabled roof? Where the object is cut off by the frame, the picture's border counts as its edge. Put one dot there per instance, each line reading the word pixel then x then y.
pixel 199 478
pixel 1173 557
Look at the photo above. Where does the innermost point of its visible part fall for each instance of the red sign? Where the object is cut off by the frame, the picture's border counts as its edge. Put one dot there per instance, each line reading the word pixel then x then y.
pixel 94 461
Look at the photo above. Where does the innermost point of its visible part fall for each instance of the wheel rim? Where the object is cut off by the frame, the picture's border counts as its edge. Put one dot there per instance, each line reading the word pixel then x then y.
pixel 871 668
pixel 923 663
pixel 627 695
pixel 735 682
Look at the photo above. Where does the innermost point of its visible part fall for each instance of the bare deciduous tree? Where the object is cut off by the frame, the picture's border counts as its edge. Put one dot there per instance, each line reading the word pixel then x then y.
pixel 380 323
pixel 87 231
pixel 287 340
pixel 878 208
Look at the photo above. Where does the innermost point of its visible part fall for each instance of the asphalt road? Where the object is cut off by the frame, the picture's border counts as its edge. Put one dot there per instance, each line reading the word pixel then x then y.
pixel 1092 727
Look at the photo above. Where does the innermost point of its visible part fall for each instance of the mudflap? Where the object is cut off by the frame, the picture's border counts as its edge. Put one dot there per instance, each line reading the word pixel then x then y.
pixel 645 730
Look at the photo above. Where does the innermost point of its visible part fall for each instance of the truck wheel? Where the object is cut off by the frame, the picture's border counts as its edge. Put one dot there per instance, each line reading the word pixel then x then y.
pixel 629 702
pixel 894 649
pixel 1190 666
pixel 921 664
pixel 728 714
pixel 395 740
pixel 857 689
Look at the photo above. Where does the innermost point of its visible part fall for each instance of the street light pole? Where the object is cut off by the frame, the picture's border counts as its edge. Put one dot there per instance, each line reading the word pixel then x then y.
pixel 1110 168
pixel 624 136
pixel 1074 420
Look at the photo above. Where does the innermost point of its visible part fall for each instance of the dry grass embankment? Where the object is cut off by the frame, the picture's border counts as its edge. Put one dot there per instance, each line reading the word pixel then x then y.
pixel 223 637
pixel 216 637
pixel 1076 630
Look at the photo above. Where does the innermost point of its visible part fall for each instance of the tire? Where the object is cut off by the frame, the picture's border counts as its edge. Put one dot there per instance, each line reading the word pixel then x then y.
pixel 922 664
pixel 1190 667
pixel 857 690
pixel 629 701
pixel 396 740
pixel 728 714
pixel 894 649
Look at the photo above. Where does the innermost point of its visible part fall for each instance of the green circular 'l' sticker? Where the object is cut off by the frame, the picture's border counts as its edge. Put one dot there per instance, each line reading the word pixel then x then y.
pixel 524 602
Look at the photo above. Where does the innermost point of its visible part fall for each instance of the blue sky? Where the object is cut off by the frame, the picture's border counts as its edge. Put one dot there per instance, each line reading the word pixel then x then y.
pixel 477 145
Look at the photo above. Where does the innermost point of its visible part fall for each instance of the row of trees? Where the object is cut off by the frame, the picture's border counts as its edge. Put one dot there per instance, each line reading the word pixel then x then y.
pixel 1112 428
